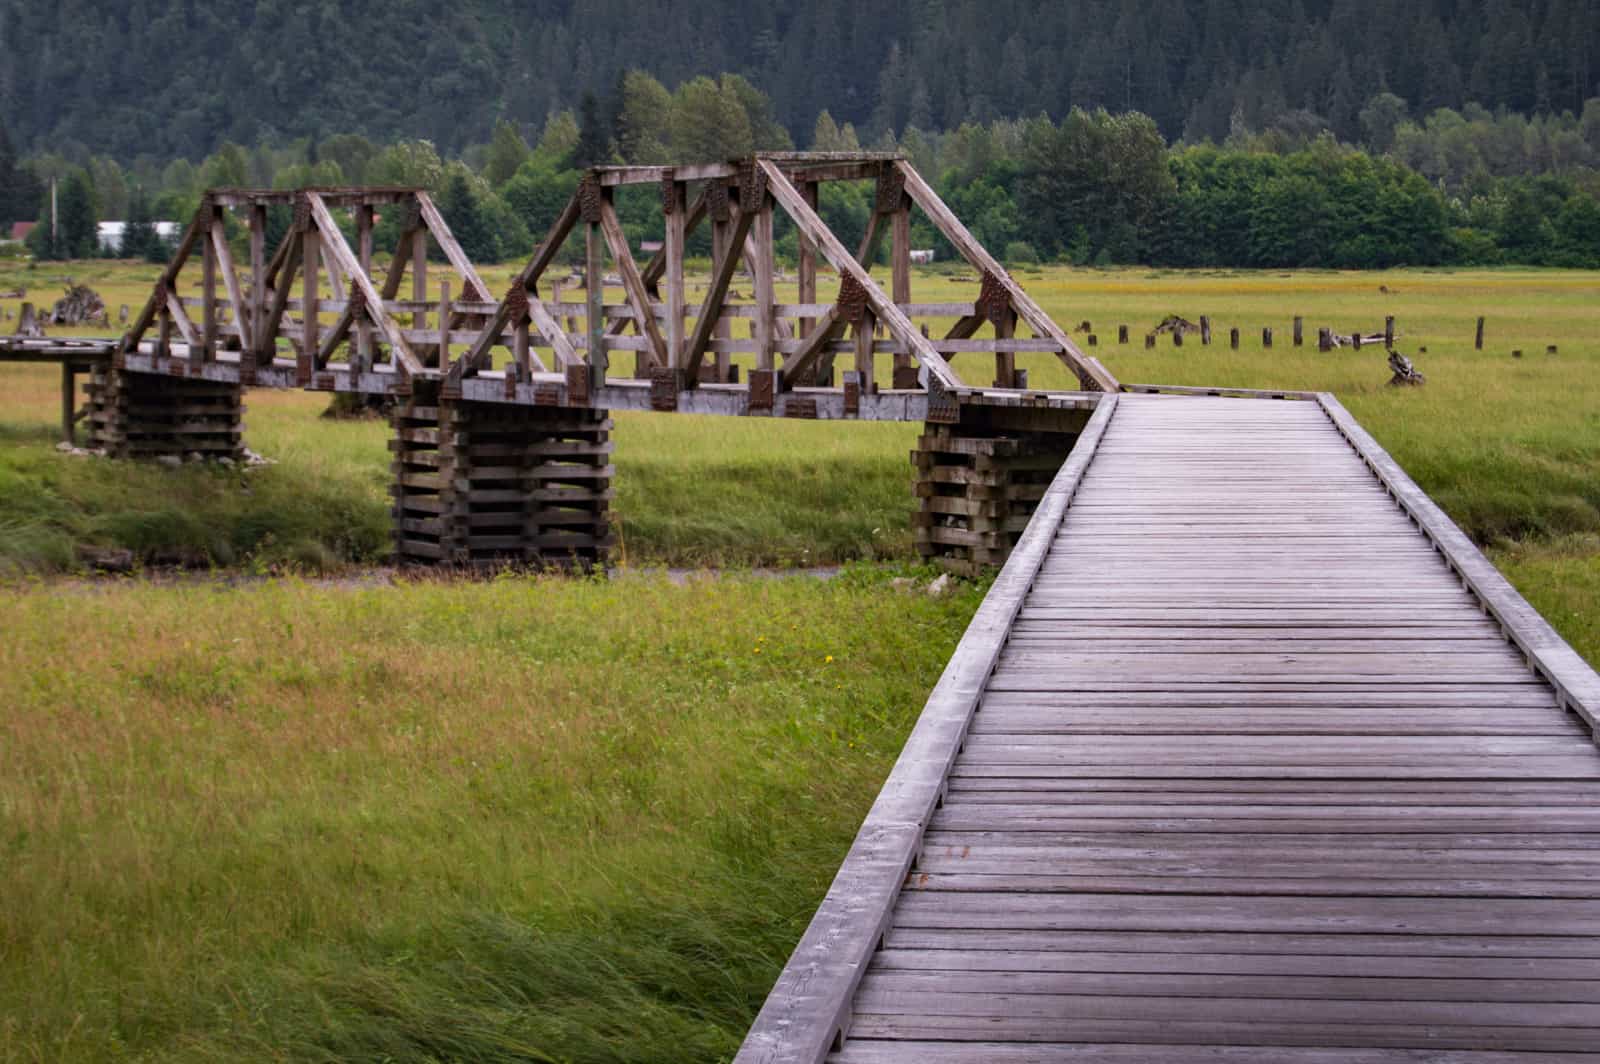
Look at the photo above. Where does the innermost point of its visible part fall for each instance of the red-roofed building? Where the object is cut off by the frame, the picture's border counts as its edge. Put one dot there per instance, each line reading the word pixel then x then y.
pixel 20 230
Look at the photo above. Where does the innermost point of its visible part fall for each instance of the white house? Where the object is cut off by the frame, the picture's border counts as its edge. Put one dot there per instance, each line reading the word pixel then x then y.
pixel 111 234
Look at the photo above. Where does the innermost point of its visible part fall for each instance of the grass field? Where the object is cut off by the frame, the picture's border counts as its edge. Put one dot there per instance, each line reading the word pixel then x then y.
pixel 582 821
pixel 1510 447
pixel 518 820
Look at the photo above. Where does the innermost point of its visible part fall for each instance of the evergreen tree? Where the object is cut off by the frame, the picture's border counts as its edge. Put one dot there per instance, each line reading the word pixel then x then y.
pixel 643 130
pixel 19 189
pixel 78 230
pixel 594 139
pixel 139 239
pixel 507 152
pixel 1380 119
pixel 464 212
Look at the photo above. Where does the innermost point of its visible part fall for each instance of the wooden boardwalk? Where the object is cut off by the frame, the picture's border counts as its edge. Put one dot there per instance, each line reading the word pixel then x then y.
pixel 1248 757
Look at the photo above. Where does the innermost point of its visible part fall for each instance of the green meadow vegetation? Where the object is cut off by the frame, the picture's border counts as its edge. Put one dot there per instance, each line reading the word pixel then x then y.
pixel 541 819
pixel 527 819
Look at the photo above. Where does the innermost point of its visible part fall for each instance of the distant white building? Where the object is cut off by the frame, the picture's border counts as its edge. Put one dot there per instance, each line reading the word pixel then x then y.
pixel 111 234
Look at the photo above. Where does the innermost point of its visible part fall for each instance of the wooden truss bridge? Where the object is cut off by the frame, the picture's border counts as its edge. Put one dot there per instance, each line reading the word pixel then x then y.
pixel 501 428
pixel 1248 756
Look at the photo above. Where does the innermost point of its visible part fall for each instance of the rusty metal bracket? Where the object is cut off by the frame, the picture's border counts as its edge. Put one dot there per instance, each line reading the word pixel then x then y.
pixel 852 394
pixel 547 393
pixel 669 193
pixel 763 388
pixel 516 304
pixel 891 193
pixel 852 300
pixel 801 408
pixel 589 197
pixel 664 389
pixel 943 406
pixel 717 202
pixel 994 302
pixel 752 187
pixel 577 384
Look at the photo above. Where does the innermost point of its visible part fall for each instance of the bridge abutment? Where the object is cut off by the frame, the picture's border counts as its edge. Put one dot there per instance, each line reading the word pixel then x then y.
pixel 154 415
pixel 979 481
pixel 479 485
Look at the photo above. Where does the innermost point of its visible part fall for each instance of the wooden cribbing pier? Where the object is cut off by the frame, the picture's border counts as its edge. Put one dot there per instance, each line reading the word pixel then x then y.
pixel 1248 756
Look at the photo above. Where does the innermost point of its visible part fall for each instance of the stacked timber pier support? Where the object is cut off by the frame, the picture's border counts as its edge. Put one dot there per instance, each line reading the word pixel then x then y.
pixel 979 480
pixel 152 415
pixel 492 484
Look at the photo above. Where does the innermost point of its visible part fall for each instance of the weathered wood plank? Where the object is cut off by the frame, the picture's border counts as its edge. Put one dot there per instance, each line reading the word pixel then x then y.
pixel 809 1006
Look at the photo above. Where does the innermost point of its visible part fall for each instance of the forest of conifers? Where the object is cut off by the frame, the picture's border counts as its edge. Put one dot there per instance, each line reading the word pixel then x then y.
pixel 1350 133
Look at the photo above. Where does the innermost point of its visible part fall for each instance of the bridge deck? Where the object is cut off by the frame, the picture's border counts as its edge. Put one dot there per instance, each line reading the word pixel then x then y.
pixel 1252 769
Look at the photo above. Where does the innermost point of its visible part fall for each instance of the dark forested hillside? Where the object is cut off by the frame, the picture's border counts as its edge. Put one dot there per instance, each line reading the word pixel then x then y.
pixel 179 77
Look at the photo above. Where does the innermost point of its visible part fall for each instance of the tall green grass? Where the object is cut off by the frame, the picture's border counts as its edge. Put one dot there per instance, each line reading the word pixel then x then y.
pixel 1510 447
pixel 523 820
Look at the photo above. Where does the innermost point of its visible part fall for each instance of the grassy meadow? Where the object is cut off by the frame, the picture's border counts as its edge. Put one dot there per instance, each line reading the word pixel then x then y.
pixel 578 820
pixel 1510 447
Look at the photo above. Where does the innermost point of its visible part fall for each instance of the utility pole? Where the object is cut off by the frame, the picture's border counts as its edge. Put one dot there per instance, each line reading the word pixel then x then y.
pixel 54 247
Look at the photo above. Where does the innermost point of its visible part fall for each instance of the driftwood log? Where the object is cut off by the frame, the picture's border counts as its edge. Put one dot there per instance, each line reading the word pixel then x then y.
pixel 1177 325
pixel 28 323
pixel 1404 372
pixel 81 305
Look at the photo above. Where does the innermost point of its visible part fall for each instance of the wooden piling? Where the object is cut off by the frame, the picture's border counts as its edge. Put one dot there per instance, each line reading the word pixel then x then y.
pixel 444 325
pixel 153 415
pixel 1266 337
pixel 69 409
pixel 1324 339
pixel 1299 333
pixel 1122 334
pixel 483 485
pixel 1149 340
pixel 1477 343
pixel 1233 338
pixel 1388 331
pixel 977 486
pixel 1205 331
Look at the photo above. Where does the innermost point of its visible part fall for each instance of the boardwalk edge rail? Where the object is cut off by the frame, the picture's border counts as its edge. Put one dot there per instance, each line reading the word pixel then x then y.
pixel 806 1014
pixel 1576 684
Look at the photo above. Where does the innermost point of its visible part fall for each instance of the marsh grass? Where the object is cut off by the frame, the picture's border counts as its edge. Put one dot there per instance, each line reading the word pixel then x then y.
pixel 1510 447
pixel 441 821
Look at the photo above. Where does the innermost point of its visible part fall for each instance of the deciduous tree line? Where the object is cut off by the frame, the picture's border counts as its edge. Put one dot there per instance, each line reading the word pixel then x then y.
pixel 1094 187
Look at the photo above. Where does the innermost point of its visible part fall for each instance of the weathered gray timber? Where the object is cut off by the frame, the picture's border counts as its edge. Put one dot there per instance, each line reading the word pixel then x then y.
pixel 810 1007
pixel 317 314
pixel 1241 760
